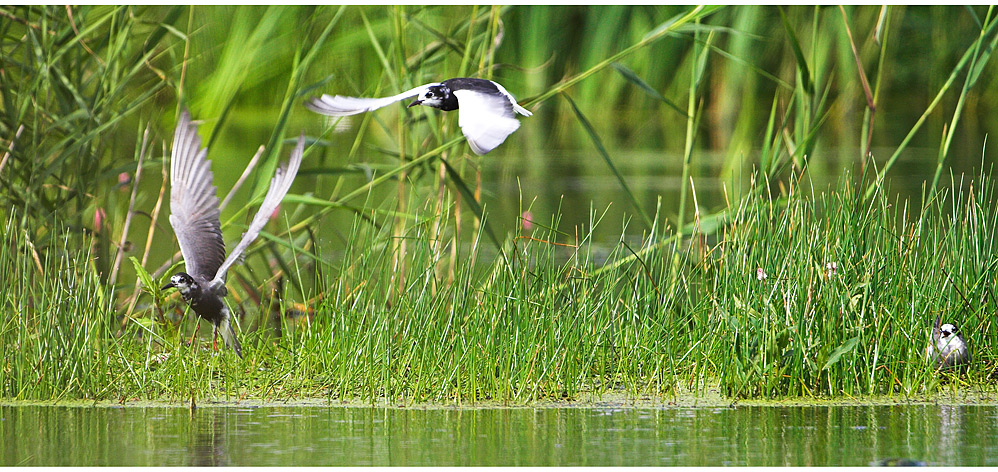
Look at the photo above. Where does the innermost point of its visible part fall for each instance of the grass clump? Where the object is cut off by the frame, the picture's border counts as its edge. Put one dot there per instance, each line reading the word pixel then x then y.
pixel 56 311
pixel 549 317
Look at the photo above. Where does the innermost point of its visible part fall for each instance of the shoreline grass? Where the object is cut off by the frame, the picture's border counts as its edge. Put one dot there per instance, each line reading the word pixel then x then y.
pixel 546 321
pixel 712 399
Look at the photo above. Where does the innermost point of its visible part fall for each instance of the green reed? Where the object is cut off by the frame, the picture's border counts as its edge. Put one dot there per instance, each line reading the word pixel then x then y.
pixel 386 278
pixel 547 320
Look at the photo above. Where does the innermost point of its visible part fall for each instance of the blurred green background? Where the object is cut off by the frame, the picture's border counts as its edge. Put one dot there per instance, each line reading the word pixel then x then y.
pixel 715 94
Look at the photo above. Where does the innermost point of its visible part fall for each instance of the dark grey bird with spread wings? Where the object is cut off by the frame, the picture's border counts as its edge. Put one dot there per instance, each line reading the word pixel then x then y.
pixel 194 215
pixel 488 111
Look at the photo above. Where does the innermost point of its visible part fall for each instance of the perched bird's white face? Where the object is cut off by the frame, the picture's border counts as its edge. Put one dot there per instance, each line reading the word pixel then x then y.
pixel 184 283
pixel 947 349
pixel 946 330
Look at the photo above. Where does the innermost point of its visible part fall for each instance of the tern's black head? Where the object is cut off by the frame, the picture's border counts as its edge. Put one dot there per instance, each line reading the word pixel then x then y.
pixel 184 283
pixel 437 96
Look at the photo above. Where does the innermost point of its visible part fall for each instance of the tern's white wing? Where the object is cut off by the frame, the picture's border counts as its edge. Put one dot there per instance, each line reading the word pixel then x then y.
pixel 516 107
pixel 279 186
pixel 193 203
pixel 338 105
pixel 486 120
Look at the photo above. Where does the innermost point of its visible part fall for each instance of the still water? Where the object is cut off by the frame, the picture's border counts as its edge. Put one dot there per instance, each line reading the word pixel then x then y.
pixel 753 436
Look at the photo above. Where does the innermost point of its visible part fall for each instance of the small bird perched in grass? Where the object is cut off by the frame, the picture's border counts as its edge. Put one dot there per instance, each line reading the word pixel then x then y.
pixel 487 110
pixel 194 215
pixel 946 349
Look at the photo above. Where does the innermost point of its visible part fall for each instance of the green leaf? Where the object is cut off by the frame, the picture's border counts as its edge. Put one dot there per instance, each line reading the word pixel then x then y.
pixel 846 348
pixel 310 200
pixel 633 78
pixel 609 162
pixel 805 74
pixel 469 199
pixel 982 61
pixel 143 275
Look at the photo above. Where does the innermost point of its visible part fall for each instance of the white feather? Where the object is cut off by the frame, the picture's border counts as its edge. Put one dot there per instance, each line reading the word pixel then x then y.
pixel 486 120
pixel 338 105
pixel 516 106
pixel 947 351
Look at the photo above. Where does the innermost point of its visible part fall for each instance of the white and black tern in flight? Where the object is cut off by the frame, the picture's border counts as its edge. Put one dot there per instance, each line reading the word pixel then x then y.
pixel 195 219
pixel 487 110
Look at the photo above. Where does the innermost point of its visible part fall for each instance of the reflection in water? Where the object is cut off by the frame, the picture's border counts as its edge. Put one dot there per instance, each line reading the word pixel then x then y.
pixel 949 425
pixel 753 436
pixel 207 447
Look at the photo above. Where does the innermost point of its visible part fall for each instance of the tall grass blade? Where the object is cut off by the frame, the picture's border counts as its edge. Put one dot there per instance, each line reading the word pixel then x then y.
pixel 598 143
pixel 633 78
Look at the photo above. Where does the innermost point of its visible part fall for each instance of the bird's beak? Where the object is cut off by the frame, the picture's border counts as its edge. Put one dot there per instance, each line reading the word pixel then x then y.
pixel 414 103
pixel 169 285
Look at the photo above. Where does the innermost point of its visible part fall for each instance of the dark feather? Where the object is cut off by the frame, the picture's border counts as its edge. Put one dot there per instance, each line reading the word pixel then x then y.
pixel 279 186
pixel 193 203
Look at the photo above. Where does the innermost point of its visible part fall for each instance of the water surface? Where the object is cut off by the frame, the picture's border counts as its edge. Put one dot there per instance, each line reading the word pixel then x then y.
pixel 749 436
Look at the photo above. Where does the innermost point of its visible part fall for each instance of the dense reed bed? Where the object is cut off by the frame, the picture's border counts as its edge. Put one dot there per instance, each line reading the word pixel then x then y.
pixel 395 273
pixel 851 288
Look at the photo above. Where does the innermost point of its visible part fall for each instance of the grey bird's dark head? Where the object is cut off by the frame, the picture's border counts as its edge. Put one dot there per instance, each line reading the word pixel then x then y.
pixel 184 283
pixel 436 96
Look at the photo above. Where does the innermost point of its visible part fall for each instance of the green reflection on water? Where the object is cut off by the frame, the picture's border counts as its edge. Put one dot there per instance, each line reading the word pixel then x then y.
pixel 754 436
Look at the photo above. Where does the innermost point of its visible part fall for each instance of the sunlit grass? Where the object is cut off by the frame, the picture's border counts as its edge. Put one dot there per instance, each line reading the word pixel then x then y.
pixel 545 320
pixel 412 293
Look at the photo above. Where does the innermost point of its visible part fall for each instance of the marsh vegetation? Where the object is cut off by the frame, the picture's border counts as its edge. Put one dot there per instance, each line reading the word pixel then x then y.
pixel 730 198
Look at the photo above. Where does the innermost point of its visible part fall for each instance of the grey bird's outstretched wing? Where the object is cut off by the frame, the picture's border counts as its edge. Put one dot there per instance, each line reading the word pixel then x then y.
pixel 193 203
pixel 279 186
pixel 338 105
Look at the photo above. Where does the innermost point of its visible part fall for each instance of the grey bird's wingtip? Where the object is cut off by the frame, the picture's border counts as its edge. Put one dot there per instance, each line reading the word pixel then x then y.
pixel 314 104
pixel 280 183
